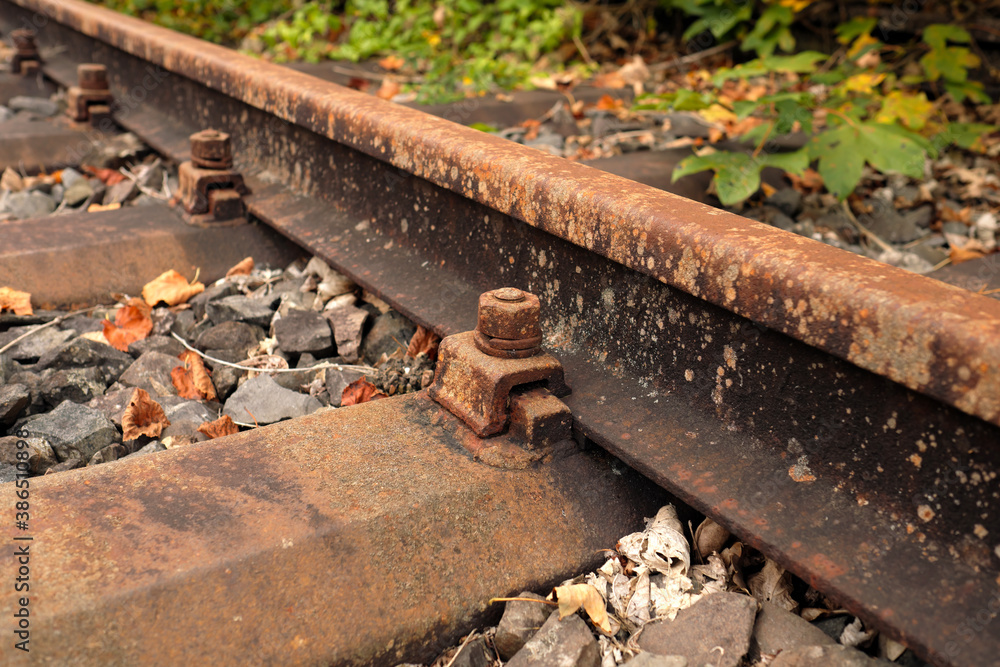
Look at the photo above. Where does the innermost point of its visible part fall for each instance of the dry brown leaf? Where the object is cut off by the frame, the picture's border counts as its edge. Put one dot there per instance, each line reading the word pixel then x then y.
pixel 959 255
pixel 574 596
pixel 773 584
pixel 96 336
pixel 193 380
pixel 171 288
pixel 132 323
pixel 532 126
pixel 360 391
pixel 219 428
pixel 608 103
pixel 810 181
pixel 391 63
pixel 143 416
pixel 388 90
pixel 243 268
pixel 424 341
pixel 710 537
pixel 107 176
pixel 12 299
pixel 608 80
pixel 184 383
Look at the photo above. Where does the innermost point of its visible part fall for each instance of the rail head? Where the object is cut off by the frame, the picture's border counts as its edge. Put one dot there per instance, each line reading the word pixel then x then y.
pixel 924 334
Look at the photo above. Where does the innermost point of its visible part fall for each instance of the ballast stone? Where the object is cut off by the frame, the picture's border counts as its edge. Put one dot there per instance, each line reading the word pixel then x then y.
pixel 264 400
pixel 74 431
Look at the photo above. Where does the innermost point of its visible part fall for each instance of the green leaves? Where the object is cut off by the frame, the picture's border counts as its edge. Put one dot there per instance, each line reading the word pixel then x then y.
pixel 719 17
pixel 737 175
pixel 682 100
pixel 843 151
pixel 800 63
pixel 771 30
pixel 951 63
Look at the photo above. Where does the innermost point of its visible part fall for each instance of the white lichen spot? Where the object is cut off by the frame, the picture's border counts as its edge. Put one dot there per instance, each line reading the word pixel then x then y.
pixel 980 531
pixel 541 259
pixel 925 513
pixel 689 375
pixel 404 225
pixel 964 374
pixel 916 460
pixel 800 472
pixel 608 297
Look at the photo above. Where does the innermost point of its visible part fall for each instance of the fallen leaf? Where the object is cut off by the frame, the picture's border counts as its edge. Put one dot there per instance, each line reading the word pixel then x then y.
pixel 532 126
pixel 107 176
pixel 662 547
pixel 391 63
pixel 424 341
pixel 96 336
pixel 710 537
pixel 243 268
pixel 608 103
pixel 132 323
pixel 96 208
pixel 11 180
pixel 388 89
pixel 959 255
pixel 608 80
pixel 171 288
pixel 193 380
pixel 360 391
pixel 810 181
pixel 219 428
pixel 17 301
pixel 574 596
pixel 184 383
pixel 773 584
pixel 143 416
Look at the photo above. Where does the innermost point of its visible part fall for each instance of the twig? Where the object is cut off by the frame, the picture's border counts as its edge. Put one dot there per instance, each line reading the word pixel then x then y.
pixel 940 265
pixel 467 639
pixel 243 365
pixel 583 50
pixel 677 63
pixel 374 76
pixel 864 230
pixel 548 602
pixel 46 325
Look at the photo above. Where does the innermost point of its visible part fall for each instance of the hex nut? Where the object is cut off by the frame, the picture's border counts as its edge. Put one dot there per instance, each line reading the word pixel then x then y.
pixel 509 314
pixel 92 76
pixel 211 149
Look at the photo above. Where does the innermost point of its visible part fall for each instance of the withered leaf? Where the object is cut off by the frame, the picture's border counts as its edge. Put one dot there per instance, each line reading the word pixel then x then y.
pixel 242 268
pixel 107 176
pixel 574 596
pixel 220 427
pixel 424 341
pixel 131 323
pixel 17 301
pixel 171 288
pixel 388 89
pixel 391 63
pixel 143 416
pixel 710 537
pixel 360 391
pixel 193 380
pixel 773 584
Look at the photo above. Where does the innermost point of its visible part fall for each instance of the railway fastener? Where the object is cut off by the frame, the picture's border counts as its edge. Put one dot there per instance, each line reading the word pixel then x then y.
pixel 210 190
pixel 477 370
pixel 91 99
pixel 26 59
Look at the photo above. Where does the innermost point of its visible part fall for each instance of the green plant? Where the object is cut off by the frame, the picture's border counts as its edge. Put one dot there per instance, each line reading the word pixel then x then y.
pixel 465 46
pixel 223 21
pixel 727 19
pixel 867 114
pixel 305 35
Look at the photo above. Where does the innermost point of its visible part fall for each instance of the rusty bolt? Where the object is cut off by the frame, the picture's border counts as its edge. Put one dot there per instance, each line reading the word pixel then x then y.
pixel 92 77
pixel 24 41
pixel 211 149
pixel 509 323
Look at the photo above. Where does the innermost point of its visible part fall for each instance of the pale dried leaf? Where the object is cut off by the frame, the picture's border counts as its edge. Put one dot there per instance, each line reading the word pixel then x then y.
pixel 662 547
pixel 710 537
pixel 220 427
pixel 889 648
pixel 574 596
pixel 855 635
pixel 96 336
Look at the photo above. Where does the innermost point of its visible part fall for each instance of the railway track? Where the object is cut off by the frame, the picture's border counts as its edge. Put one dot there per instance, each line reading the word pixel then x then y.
pixel 840 415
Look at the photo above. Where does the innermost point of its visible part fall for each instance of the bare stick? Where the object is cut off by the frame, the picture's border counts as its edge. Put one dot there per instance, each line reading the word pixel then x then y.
pixel 467 639
pixel 243 365
pixel 47 324
pixel 548 602
pixel 864 230
pixel 692 58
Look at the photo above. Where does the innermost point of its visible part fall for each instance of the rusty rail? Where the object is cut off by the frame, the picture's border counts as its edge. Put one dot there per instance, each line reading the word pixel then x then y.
pixel 839 414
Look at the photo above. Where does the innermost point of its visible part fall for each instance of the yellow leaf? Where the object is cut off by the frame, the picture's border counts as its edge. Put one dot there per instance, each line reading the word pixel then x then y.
pixel 574 596
pixel 912 110
pixel 862 83
pixel 859 44
pixel 795 5
pixel 12 299
pixel 718 114
pixel 94 208
pixel 243 268
pixel 171 288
